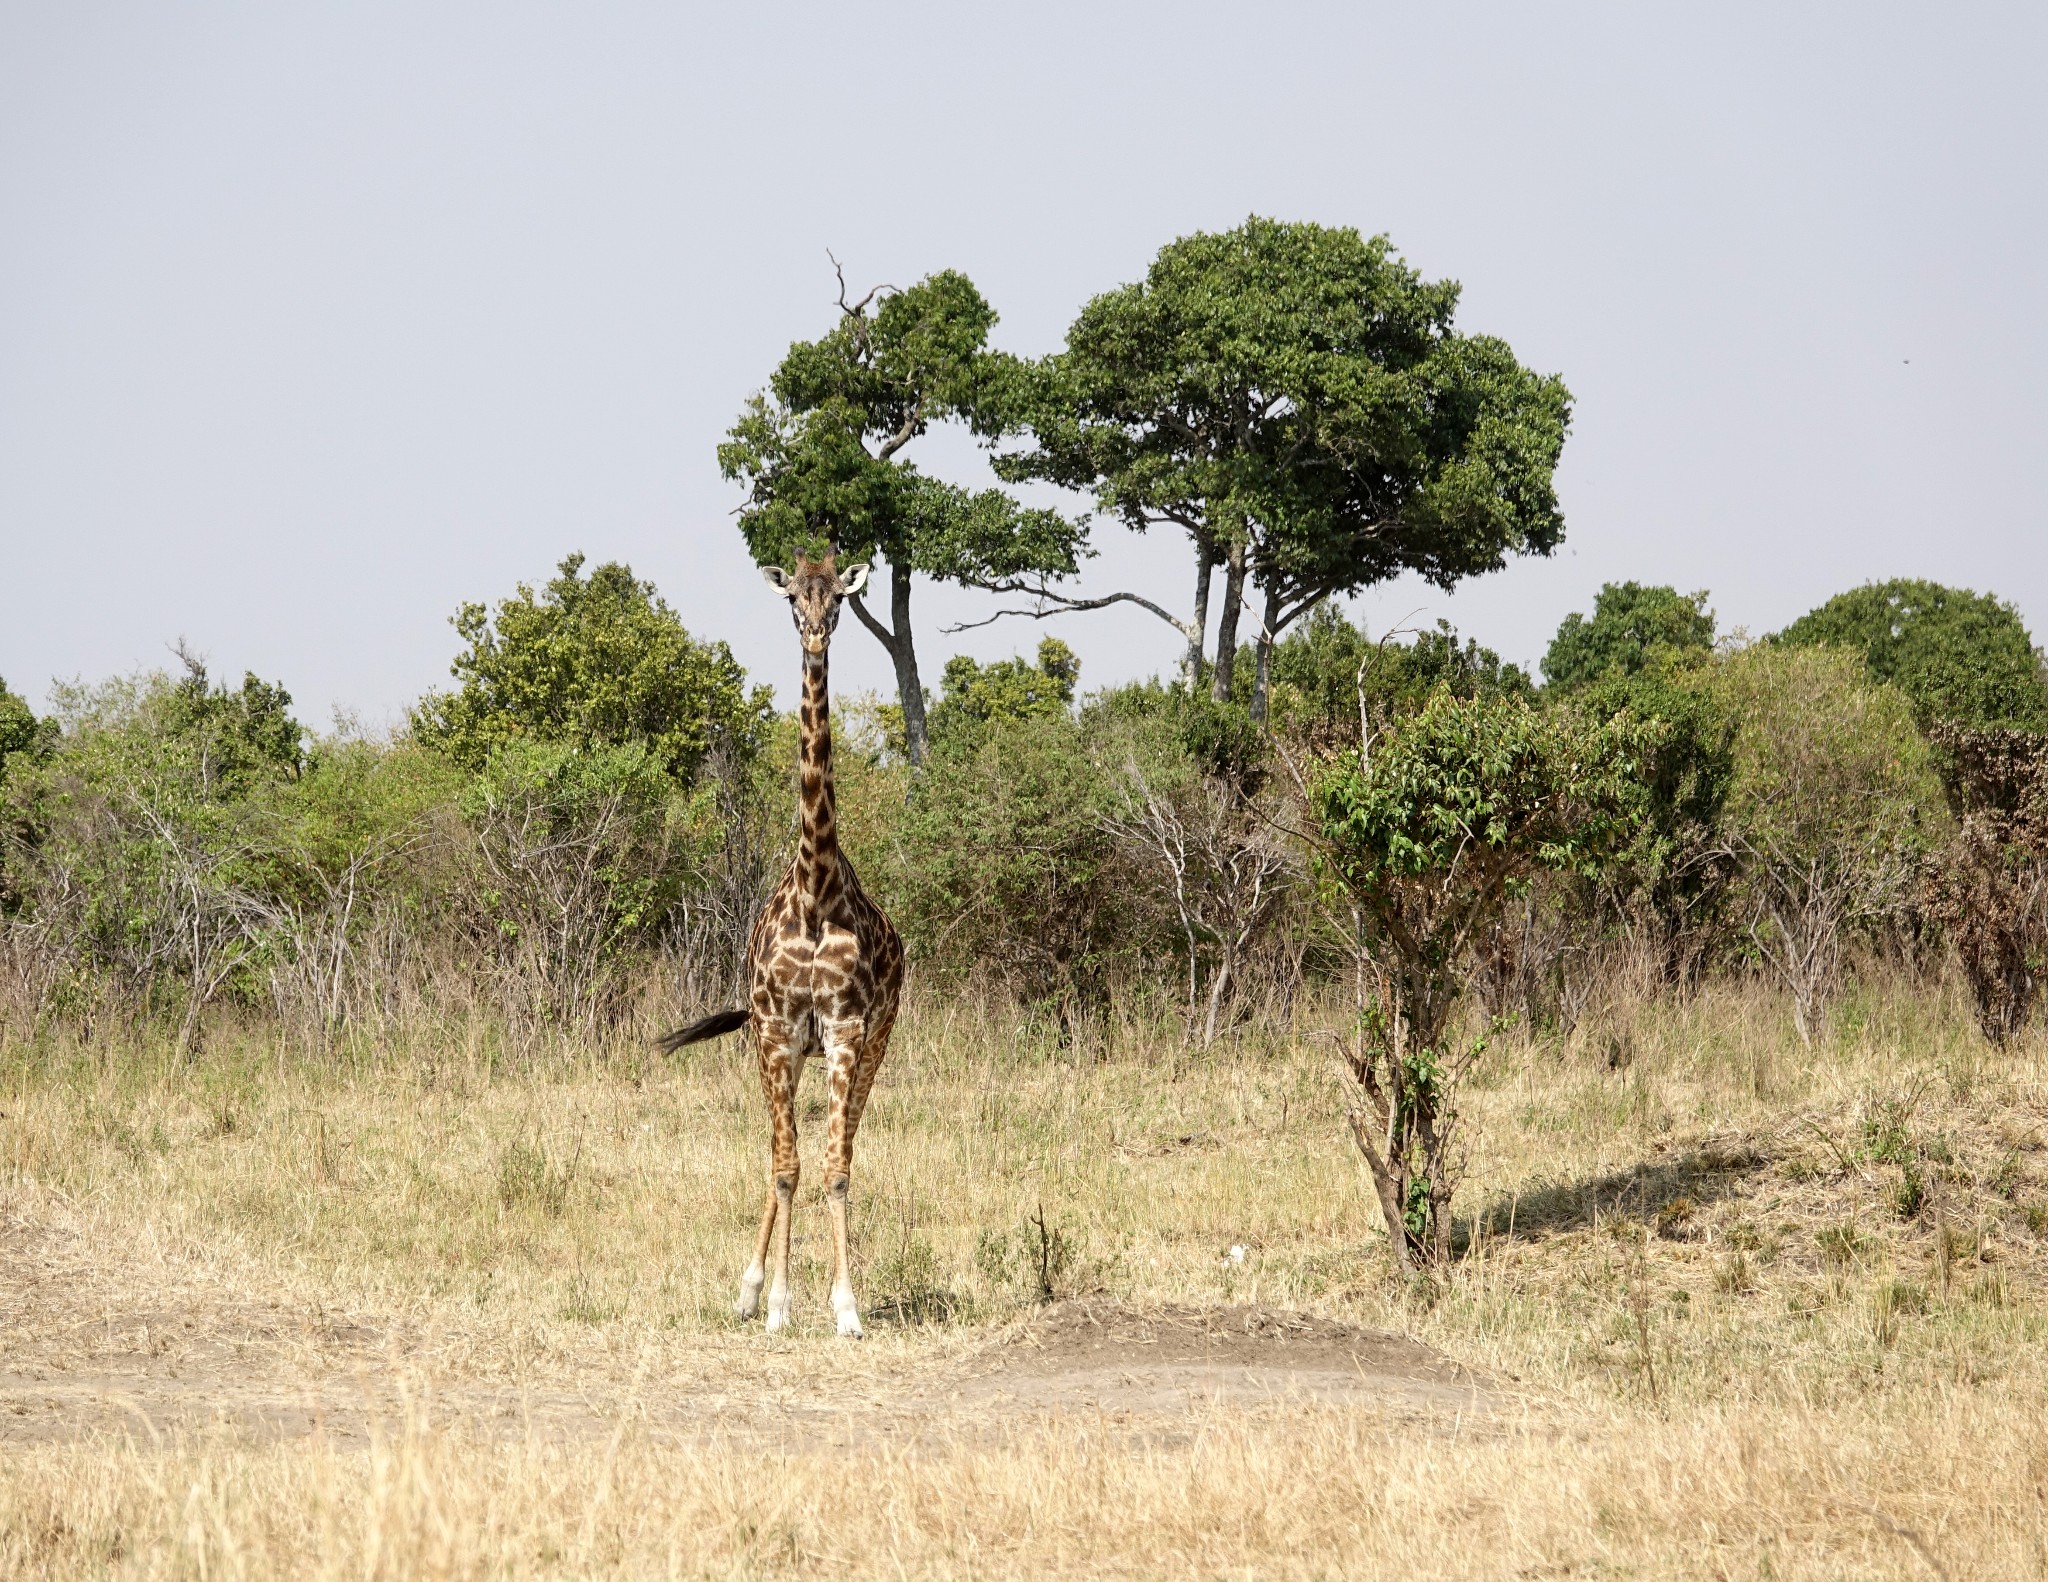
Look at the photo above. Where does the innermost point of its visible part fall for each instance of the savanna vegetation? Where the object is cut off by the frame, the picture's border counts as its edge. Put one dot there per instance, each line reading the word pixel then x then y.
pixel 1658 1037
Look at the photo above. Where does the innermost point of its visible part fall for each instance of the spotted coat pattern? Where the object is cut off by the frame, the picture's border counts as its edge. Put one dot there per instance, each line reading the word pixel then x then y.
pixel 825 975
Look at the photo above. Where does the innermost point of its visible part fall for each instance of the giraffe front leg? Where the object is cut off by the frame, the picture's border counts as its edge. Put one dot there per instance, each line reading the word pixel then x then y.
pixel 843 1044
pixel 781 1067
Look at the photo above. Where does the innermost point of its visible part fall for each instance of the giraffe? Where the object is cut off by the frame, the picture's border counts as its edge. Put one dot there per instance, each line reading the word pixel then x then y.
pixel 824 971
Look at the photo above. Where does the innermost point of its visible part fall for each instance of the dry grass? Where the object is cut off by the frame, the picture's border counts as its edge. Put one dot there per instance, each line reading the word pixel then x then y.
pixel 1748 1312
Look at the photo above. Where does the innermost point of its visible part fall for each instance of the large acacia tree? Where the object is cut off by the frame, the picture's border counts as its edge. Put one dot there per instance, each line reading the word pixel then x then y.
pixel 1295 399
pixel 821 455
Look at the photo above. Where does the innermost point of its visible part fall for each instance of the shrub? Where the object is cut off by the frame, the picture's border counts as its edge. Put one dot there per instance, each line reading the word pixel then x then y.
pixel 592 662
pixel 1425 829
pixel 1960 656
pixel 1632 627
pixel 1831 806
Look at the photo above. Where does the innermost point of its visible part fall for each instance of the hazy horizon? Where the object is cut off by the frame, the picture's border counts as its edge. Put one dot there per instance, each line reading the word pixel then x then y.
pixel 315 325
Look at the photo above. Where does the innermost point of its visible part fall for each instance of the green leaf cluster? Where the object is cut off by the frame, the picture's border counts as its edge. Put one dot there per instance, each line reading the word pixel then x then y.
pixel 1632 628
pixel 1301 389
pixel 592 662
pixel 1960 656
pixel 1008 689
pixel 1468 794
pixel 818 451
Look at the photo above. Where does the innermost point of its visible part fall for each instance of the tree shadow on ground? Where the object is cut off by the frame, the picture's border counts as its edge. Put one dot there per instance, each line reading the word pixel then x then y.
pixel 1662 1195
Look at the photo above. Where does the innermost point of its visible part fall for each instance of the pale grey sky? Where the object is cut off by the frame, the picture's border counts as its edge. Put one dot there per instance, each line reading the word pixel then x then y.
pixel 316 320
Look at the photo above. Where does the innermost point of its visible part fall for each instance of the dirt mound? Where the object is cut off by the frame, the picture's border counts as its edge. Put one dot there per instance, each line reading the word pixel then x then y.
pixel 1163 1359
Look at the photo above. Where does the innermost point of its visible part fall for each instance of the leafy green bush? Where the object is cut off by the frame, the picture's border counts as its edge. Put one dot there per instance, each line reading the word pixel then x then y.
pixel 591 662
pixel 1832 803
pixel 1426 829
pixel 1632 627
pixel 1960 656
pixel 1003 867
pixel 1320 670
pixel 1007 689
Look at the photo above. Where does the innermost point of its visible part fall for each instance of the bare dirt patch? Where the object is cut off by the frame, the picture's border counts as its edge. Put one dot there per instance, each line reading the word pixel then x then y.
pixel 92 1344
pixel 1162 1360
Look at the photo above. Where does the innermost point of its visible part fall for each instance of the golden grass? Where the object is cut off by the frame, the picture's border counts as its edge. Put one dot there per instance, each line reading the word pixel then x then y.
pixel 1747 1311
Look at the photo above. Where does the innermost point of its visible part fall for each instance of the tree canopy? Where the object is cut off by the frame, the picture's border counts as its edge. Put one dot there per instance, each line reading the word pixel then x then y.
pixel 1958 655
pixel 820 453
pixel 1295 398
pixel 1631 626
pixel 1009 689
pixel 597 661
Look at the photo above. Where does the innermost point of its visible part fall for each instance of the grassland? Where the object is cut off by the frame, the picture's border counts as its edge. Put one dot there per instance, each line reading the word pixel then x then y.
pixel 1728 1308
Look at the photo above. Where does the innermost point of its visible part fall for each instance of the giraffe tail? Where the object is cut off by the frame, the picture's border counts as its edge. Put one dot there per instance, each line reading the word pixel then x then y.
pixel 714 1026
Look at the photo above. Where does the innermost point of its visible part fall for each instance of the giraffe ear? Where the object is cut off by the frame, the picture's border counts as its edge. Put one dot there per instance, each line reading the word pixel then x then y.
pixel 853 581
pixel 777 578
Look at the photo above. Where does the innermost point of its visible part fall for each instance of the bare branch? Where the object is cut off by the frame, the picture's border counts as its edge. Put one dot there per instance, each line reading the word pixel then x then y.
pixel 1063 604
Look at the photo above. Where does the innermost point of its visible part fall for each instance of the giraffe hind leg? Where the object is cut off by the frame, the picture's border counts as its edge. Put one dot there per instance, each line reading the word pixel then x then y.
pixel 756 1275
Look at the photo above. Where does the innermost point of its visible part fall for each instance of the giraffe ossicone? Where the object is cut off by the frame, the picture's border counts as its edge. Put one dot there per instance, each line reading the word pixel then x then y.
pixel 824 976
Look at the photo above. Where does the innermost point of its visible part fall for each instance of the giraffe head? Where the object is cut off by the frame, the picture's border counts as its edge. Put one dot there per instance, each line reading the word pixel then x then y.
pixel 814 591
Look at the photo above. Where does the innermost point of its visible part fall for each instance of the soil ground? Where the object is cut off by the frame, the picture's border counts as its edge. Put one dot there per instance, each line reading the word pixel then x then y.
pixel 85 1352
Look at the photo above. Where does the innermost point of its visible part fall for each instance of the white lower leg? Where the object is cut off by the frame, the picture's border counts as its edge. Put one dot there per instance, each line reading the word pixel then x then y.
pixel 750 1290
pixel 778 1284
pixel 845 1311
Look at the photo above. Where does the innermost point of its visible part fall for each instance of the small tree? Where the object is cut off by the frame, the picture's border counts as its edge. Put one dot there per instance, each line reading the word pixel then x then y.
pixel 1988 886
pixel 1631 627
pixel 821 455
pixel 1960 656
pixel 1427 829
pixel 1832 804
pixel 1008 689
pixel 591 662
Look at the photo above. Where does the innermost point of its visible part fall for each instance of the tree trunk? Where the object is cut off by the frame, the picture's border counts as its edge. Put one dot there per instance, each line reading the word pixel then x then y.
pixel 897 639
pixel 1263 680
pixel 1226 623
pixel 1198 627
pixel 909 689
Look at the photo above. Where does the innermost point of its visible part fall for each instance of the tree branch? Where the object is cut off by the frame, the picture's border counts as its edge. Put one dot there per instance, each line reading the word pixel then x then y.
pixel 882 633
pixel 1063 604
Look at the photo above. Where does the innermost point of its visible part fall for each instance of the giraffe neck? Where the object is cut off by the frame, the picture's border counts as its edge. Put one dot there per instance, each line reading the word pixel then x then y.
pixel 819 873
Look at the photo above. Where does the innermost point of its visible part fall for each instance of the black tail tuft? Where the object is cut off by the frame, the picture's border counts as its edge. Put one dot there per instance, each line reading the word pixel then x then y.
pixel 716 1025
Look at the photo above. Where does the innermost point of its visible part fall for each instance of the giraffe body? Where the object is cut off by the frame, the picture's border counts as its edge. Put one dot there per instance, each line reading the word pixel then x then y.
pixel 825 979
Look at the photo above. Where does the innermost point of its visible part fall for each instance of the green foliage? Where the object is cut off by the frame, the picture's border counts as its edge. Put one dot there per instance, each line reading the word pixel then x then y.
pixel 1632 627
pixel 1008 689
pixel 1470 793
pixel 1319 670
pixel 1832 805
pixel 1829 768
pixel 591 662
pixel 1003 867
pixel 1960 656
pixel 20 731
pixel 1300 390
pixel 1427 828
pixel 134 846
pixel 1676 869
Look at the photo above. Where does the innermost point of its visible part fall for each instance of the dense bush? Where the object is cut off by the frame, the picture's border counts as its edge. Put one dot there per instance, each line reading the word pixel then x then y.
pixel 1959 656
pixel 1832 805
pixel 1633 627
pixel 591 662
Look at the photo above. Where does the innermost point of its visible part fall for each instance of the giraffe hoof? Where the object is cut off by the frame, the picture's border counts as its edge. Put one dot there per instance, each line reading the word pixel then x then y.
pixel 778 1319
pixel 849 1325
pixel 749 1304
